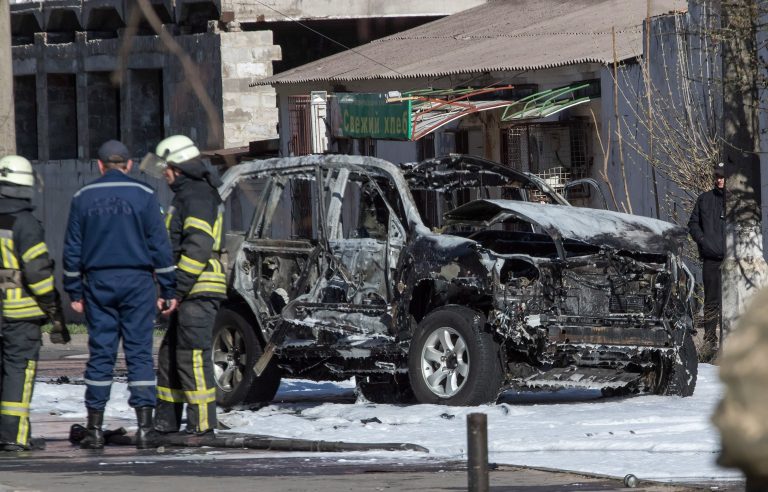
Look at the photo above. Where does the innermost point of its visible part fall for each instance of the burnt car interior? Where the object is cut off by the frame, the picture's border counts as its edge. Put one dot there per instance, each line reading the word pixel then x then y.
pixel 315 260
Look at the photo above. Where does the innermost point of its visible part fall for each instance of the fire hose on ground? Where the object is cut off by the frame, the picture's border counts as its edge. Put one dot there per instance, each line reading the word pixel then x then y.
pixel 120 437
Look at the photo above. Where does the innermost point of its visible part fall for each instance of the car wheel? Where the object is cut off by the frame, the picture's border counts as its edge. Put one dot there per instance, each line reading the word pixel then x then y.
pixel 453 361
pixel 236 348
pixel 677 372
pixel 384 388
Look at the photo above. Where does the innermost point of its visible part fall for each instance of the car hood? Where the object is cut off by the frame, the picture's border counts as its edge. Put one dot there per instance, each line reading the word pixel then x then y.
pixel 601 228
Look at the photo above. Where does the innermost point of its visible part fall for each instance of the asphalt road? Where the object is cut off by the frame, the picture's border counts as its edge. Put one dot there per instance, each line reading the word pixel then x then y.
pixel 63 467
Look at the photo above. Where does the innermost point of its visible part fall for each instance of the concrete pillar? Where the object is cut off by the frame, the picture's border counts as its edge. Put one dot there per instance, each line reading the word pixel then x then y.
pixel 126 134
pixel 7 115
pixel 42 98
pixel 81 88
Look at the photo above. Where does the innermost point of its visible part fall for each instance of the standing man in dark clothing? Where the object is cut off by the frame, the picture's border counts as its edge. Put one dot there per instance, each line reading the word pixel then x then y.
pixel 707 227
pixel 194 221
pixel 115 246
pixel 28 299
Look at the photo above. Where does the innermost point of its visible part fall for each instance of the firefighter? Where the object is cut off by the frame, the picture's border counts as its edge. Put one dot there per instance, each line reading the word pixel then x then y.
pixel 194 222
pixel 28 298
pixel 114 249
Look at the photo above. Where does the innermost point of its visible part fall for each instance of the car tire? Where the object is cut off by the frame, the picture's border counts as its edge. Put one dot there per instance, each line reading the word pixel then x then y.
pixel 236 348
pixel 679 370
pixel 385 388
pixel 453 360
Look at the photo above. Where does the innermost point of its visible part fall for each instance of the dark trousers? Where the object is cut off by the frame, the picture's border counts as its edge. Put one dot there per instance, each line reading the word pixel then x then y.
pixel 19 350
pixel 712 299
pixel 185 369
pixel 120 304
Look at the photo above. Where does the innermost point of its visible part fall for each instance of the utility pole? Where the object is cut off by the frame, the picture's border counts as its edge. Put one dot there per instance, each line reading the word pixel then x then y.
pixel 744 269
pixel 7 117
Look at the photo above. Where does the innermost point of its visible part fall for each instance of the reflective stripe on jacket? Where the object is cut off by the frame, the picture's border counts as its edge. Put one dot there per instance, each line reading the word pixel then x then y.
pixel 28 289
pixel 195 226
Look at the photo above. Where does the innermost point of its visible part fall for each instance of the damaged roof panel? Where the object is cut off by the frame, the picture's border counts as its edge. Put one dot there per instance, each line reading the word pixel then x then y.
pixel 497 36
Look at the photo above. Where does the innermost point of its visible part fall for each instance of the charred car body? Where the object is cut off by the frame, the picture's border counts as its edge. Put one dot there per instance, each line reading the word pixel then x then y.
pixel 444 282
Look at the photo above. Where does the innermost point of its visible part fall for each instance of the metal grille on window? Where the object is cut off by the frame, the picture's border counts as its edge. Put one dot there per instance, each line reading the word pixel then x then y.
pixel 556 152
pixel 299 110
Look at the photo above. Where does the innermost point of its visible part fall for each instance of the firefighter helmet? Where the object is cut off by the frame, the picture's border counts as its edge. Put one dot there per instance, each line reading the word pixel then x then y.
pixel 16 170
pixel 177 149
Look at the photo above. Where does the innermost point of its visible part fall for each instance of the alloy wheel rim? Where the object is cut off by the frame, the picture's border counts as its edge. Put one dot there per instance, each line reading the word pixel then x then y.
pixel 445 362
pixel 228 355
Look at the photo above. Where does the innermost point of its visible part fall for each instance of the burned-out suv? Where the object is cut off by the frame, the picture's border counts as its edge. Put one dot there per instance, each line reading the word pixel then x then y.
pixel 443 282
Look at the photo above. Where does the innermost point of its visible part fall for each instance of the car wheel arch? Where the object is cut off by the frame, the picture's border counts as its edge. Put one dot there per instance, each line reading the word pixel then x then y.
pixel 430 294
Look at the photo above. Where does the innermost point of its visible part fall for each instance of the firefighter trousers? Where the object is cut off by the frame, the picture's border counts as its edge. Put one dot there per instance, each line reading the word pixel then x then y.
pixel 185 369
pixel 19 350
pixel 120 304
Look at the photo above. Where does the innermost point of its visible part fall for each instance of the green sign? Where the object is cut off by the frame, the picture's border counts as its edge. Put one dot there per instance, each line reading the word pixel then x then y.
pixel 368 115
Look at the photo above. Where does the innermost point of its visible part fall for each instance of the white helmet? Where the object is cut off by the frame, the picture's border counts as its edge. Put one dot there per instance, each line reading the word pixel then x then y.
pixel 17 170
pixel 177 149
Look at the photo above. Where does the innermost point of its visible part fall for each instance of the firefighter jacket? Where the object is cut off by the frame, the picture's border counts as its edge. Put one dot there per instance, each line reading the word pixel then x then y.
pixel 194 223
pixel 27 287
pixel 116 223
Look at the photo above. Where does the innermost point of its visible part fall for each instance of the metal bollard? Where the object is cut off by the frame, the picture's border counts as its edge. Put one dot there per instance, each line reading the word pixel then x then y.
pixel 477 455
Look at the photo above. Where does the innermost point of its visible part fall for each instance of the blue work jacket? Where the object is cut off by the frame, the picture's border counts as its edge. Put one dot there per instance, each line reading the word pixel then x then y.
pixel 116 223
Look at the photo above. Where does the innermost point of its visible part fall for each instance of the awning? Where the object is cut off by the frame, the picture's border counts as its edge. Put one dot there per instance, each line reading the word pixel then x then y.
pixel 552 101
pixel 415 114
pixel 431 109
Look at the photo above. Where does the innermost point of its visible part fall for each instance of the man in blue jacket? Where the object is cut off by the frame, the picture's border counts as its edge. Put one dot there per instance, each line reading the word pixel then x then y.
pixel 115 246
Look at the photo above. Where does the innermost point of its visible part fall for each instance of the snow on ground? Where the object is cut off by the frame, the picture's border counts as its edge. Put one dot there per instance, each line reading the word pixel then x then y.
pixel 653 437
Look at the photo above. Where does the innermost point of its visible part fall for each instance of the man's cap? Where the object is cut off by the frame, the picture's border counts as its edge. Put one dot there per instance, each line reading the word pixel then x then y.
pixel 113 151
pixel 719 169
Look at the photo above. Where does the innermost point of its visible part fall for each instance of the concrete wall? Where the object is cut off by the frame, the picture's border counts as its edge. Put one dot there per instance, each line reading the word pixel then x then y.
pixel 78 107
pixel 250 113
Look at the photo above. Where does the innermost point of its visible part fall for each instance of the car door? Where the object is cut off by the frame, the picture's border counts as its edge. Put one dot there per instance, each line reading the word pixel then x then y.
pixel 361 238
pixel 280 260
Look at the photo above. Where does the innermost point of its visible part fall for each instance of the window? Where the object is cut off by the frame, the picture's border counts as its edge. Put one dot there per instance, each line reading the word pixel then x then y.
pixel 290 214
pixel 103 111
pixel 146 98
pixel 300 125
pixel 62 116
pixel 25 100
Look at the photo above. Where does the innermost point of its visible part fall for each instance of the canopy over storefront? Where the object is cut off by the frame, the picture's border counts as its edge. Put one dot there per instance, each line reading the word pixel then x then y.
pixel 414 114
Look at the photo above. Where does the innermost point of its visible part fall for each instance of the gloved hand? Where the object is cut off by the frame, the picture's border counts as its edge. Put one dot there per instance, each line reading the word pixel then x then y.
pixel 59 331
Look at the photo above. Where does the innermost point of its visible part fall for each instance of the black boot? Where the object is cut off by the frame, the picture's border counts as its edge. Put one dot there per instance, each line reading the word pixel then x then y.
pixel 94 435
pixel 146 435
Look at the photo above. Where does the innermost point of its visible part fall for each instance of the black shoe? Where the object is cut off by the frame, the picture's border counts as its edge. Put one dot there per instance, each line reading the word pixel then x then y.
pixel 34 443
pixel 191 431
pixel 12 447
